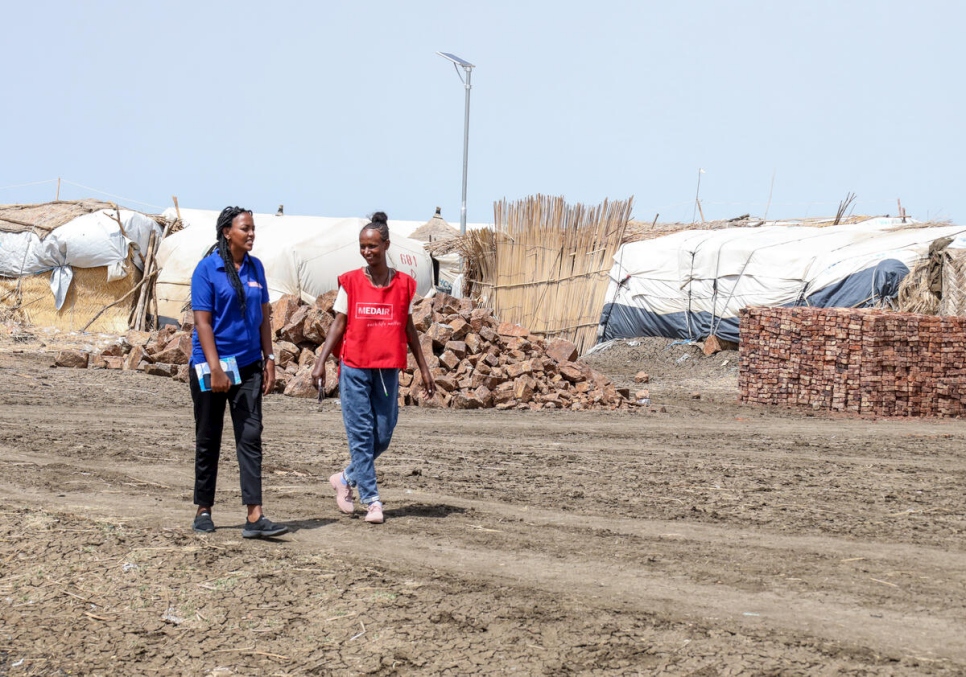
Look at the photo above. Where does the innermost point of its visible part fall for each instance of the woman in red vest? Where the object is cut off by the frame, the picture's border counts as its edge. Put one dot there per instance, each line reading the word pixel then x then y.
pixel 373 326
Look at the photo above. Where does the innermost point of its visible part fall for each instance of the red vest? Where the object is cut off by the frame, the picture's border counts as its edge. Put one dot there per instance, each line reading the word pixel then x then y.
pixel 375 332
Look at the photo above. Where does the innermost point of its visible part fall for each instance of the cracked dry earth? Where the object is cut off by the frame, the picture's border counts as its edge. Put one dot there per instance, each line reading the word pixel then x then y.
pixel 705 539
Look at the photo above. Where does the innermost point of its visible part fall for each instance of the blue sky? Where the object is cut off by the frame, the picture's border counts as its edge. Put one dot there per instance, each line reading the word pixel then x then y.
pixel 343 108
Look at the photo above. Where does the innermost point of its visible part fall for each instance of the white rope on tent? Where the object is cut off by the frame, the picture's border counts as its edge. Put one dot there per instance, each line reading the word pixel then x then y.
pixel 124 199
pixel 690 282
pixel 714 327
pixel 602 329
pixel 24 185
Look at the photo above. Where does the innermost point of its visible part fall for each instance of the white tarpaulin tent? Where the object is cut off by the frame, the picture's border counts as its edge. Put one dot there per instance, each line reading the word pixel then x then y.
pixel 693 283
pixel 88 241
pixel 303 255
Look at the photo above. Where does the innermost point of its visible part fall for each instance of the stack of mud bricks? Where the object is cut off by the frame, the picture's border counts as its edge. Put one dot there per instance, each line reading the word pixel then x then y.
pixel 859 361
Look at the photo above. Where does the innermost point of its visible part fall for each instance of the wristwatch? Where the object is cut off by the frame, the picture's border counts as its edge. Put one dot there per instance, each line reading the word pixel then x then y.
pixel 270 356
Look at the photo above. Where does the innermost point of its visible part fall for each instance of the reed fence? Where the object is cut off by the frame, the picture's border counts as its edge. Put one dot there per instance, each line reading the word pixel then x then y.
pixel 546 264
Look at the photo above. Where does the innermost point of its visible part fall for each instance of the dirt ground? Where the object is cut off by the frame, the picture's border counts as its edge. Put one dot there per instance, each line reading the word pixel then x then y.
pixel 692 537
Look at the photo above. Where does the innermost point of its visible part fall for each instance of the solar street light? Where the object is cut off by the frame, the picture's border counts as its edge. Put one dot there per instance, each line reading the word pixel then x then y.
pixel 468 69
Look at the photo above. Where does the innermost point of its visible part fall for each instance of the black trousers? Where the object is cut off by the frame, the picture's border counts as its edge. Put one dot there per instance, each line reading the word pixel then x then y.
pixel 245 404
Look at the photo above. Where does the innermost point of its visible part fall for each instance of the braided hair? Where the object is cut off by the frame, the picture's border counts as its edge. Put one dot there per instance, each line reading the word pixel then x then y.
pixel 225 219
pixel 379 222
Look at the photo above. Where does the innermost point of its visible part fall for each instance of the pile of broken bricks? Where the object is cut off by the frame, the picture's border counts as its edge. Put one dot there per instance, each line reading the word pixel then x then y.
pixel 476 360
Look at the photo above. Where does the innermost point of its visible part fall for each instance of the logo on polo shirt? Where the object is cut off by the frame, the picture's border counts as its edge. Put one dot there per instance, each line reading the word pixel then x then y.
pixel 254 283
pixel 373 311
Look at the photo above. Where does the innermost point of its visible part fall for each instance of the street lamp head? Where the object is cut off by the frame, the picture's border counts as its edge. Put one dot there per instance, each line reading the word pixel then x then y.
pixel 456 60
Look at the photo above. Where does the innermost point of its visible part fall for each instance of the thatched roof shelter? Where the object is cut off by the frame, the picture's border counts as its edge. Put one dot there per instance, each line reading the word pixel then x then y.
pixel 63 263
pixel 435 229
pixel 43 218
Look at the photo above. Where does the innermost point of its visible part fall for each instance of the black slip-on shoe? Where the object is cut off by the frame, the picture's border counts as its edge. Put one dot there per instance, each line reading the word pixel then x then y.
pixel 203 523
pixel 263 528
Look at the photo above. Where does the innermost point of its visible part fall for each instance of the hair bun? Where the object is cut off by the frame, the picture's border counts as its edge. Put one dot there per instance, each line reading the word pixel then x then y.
pixel 380 217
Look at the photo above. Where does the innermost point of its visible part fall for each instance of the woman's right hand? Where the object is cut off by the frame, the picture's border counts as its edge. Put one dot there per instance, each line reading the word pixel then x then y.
pixel 318 375
pixel 333 347
pixel 219 380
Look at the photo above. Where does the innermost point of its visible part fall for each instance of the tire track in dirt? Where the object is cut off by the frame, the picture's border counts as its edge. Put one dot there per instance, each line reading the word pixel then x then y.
pixel 845 536
pixel 609 574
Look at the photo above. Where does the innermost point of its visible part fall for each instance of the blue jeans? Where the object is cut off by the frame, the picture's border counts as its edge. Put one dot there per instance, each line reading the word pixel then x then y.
pixel 370 407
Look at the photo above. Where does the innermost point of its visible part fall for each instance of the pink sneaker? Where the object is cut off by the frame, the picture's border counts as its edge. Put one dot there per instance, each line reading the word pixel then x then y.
pixel 374 516
pixel 343 493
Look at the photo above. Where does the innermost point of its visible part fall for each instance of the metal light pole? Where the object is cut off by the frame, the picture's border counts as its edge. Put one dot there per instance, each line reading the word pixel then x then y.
pixel 468 69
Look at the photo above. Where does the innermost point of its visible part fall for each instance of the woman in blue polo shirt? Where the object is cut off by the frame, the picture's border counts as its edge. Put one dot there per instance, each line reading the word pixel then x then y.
pixel 229 297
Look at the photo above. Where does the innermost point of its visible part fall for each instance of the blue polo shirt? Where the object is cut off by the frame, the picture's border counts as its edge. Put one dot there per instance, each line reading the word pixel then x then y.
pixel 212 291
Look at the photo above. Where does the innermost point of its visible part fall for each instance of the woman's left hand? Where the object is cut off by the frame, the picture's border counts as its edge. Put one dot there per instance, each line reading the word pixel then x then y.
pixel 268 377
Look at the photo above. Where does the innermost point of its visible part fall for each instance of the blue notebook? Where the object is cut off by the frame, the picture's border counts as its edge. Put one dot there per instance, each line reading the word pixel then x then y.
pixel 228 364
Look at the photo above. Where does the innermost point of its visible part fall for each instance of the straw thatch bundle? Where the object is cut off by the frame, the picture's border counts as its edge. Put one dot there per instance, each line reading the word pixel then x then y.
pixel 915 225
pixel 953 283
pixel 89 293
pixel 546 264
pixel 915 294
pixel 926 288
pixel 462 245
pixel 43 218
pixel 639 230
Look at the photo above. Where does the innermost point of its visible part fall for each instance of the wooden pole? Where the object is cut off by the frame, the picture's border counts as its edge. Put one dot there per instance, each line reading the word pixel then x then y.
pixel 57 197
pixel 153 295
pixel 148 290
pixel 142 299
pixel 155 322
